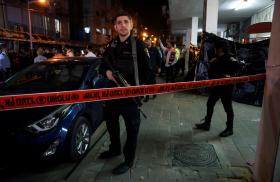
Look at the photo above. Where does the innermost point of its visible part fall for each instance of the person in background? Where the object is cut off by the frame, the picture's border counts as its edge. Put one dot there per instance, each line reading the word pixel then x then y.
pixel 40 57
pixel 180 66
pixel 155 62
pixel 58 53
pixel 170 55
pixel 221 66
pixel 177 55
pixel 14 58
pixel 5 64
pixel 90 52
pixel 47 53
pixel 69 52
pixel 162 64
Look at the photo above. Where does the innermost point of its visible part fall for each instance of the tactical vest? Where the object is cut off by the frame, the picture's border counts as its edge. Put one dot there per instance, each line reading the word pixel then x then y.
pixel 123 60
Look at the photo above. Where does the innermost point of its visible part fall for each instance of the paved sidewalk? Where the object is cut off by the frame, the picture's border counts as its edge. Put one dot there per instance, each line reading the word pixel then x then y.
pixel 170 149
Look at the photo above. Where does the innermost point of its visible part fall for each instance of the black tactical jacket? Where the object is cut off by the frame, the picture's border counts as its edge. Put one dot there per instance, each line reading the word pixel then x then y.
pixel 119 54
pixel 223 66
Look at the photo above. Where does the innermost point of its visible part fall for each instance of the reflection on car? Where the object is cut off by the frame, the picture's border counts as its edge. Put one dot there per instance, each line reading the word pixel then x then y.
pixel 47 132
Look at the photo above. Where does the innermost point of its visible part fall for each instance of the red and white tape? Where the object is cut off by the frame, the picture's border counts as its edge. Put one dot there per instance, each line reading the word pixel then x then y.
pixel 10 102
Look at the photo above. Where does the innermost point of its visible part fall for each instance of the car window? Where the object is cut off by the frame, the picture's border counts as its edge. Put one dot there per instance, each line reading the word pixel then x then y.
pixel 65 76
pixel 49 77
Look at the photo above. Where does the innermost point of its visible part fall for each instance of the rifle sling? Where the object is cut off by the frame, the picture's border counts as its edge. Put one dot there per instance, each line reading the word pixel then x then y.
pixel 134 56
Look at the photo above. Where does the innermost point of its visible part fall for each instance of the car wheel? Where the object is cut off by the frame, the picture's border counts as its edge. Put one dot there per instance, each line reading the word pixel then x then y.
pixel 80 139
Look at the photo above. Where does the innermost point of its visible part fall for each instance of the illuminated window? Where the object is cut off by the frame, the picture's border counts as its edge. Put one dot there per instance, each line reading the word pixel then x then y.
pixel 104 31
pixel 98 30
pixel 47 24
pixel 57 26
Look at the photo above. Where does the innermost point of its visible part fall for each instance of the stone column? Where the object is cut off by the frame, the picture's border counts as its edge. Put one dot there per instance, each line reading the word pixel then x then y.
pixel 210 16
pixel 188 36
pixel 194 30
pixel 268 155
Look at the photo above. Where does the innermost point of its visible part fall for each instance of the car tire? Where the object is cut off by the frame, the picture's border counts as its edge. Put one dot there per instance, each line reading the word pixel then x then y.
pixel 80 139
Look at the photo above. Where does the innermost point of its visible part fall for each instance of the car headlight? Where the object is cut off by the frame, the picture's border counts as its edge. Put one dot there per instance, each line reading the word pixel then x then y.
pixel 49 121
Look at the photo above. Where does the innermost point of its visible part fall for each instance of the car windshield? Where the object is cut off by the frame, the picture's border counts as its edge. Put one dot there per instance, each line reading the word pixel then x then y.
pixel 50 76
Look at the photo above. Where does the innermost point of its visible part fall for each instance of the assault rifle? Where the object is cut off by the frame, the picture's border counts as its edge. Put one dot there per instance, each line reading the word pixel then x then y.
pixel 121 82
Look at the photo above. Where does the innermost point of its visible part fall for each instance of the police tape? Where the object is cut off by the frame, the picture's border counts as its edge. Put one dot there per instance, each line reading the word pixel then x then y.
pixel 10 102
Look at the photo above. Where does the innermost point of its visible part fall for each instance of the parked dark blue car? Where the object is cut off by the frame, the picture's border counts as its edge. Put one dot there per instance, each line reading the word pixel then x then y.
pixel 46 132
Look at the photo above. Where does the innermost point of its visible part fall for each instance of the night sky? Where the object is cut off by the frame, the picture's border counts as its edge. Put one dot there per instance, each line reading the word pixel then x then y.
pixel 149 12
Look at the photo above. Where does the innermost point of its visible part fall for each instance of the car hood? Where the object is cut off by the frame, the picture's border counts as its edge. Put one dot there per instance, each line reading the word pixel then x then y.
pixel 13 120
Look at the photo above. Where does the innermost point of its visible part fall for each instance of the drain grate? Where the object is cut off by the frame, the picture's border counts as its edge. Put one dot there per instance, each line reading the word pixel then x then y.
pixel 195 155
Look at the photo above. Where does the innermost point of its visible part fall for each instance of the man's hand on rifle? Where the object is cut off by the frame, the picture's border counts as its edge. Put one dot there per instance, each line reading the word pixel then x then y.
pixel 110 76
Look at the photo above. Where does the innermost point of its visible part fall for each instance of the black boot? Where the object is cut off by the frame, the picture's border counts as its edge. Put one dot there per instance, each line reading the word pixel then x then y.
pixel 227 132
pixel 203 126
pixel 109 154
pixel 122 168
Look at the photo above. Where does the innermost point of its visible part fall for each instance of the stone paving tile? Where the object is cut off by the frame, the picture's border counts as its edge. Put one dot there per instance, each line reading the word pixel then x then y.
pixel 224 173
pixel 241 172
pixel 155 173
pixel 247 153
pixel 106 173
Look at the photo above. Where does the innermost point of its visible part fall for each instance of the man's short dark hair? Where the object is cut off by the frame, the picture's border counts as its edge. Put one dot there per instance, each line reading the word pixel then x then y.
pixel 122 13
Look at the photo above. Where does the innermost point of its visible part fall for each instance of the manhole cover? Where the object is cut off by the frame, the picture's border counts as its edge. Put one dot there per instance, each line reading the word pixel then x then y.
pixel 195 155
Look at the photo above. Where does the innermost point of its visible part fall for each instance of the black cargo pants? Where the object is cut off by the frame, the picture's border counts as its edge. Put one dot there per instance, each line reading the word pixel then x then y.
pixel 225 94
pixel 131 115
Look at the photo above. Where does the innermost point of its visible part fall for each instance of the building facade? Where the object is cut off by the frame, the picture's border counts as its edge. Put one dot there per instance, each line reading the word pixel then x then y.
pixel 50 19
pixel 91 20
pixel 101 23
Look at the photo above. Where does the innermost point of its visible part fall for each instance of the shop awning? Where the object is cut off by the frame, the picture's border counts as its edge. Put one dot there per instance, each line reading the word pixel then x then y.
pixel 262 27
pixel 12 35
pixel 37 38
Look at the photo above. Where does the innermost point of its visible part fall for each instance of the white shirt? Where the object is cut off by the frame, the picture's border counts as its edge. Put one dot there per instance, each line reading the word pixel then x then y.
pixel 40 58
pixel 90 54
pixel 4 61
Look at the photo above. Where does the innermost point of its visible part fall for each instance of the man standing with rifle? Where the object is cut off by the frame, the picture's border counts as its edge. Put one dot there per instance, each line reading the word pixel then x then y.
pixel 128 57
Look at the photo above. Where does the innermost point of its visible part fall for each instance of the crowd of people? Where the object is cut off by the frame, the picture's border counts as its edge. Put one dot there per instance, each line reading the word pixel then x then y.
pixel 169 61
pixel 12 61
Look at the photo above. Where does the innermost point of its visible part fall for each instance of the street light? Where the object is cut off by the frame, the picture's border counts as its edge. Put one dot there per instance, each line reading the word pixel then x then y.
pixel 87 30
pixel 242 4
pixel 145 34
pixel 30 20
